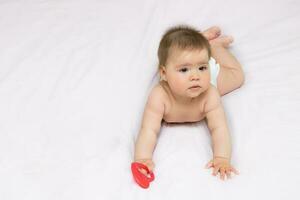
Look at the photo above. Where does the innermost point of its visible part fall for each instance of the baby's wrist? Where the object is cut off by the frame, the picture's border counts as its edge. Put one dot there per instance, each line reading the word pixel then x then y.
pixel 142 159
pixel 222 157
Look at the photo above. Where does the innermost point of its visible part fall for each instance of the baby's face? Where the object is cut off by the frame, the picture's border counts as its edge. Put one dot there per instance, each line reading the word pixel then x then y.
pixel 185 69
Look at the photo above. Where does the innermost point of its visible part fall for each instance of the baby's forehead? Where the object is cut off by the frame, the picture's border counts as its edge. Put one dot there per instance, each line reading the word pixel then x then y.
pixel 176 53
pixel 176 49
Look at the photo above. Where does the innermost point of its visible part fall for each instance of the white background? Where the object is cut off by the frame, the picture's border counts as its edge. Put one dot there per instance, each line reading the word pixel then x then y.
pixel 74 79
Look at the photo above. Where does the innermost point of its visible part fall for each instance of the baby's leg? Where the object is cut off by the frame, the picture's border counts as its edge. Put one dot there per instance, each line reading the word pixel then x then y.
pixel 231 75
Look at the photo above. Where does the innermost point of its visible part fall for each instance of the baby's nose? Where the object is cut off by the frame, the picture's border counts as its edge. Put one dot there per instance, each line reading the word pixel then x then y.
pixel 194 76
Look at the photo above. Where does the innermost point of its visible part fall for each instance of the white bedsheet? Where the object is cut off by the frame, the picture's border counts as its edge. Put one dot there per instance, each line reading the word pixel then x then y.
pixel 74 78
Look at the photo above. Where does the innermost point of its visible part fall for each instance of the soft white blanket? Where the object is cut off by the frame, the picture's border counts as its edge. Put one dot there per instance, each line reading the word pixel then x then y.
pixel 74 79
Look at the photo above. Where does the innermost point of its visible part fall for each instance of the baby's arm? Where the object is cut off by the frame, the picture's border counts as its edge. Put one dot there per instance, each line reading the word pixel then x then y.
pixel 217 124
pixel 151 123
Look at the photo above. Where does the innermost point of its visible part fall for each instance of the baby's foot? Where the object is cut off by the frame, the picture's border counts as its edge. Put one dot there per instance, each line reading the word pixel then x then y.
pixel 212 33
pixel 223 41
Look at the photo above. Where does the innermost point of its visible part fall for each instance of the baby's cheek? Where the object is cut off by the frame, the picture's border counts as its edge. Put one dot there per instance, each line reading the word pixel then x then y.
pixel 178 83
pixel 181 85
pixel 206 83
pixel 207 79
pixel 177 86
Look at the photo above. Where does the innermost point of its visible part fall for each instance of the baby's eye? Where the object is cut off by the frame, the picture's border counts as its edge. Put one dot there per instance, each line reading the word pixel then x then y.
pixel 183 70
pixel 202 68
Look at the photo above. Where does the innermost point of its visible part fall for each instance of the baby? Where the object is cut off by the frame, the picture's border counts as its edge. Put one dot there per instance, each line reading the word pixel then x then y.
pixel 195 70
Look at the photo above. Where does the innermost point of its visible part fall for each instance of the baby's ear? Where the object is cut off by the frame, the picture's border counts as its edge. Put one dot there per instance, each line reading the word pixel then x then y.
pixel 162 72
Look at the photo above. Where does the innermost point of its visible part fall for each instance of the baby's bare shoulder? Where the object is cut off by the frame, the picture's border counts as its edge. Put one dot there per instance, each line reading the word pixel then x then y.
pixel 157 97
pixel 154 110
pixel 211 99
pixel 158 90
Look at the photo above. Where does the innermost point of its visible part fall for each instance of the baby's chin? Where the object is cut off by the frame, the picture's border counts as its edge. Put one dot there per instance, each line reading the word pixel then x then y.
pixel 196 93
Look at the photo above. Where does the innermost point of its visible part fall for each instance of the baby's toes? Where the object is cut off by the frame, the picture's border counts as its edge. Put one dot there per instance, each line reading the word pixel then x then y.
pixel 229 39
pixel 224 41
pixel 212 33
pixel 216 31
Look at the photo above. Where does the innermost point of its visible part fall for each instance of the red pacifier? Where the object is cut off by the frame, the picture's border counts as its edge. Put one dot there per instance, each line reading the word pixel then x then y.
pixel 140 178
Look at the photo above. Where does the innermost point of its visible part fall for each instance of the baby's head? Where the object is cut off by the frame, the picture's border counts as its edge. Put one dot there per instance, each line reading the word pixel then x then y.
pixel 183 55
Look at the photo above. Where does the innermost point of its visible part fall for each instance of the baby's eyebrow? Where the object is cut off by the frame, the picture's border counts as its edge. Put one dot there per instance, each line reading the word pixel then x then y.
pixel 189 64
pixel 183 64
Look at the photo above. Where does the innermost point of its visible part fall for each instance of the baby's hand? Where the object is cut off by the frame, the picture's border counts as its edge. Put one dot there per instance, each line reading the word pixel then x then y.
pixel 148 162
pixel 222 165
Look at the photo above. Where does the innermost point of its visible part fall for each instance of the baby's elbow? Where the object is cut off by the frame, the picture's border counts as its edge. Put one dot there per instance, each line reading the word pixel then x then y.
pixel 240 78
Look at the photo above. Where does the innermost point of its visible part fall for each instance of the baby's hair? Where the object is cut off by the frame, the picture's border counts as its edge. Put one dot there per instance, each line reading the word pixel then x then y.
pixel 183 37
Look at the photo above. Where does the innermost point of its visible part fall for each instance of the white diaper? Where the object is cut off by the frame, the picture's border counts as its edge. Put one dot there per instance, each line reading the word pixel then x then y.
pixel 214 69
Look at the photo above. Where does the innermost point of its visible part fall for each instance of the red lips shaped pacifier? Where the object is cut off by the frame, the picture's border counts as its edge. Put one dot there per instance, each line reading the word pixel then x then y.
pixel 140 178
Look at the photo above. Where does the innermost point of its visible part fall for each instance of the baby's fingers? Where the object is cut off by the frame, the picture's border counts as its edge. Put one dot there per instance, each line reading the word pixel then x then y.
pixel 148 162
pixel 216 169
pixel 209 164
pixel 143 172
pixel 150 166
pixel 234 170
pixel 228 174
pixel 222 172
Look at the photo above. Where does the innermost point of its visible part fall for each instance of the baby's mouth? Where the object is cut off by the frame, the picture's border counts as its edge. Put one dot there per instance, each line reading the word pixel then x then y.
pixel 195 87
